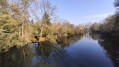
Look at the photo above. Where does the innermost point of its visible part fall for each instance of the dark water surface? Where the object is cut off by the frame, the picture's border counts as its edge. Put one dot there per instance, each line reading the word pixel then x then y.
pixel 77 51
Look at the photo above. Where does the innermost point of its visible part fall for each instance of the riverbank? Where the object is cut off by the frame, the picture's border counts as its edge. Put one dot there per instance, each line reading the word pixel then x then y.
pixel 18 44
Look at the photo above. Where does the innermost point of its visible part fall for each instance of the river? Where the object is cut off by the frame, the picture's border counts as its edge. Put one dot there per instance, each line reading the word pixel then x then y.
pixel 76 51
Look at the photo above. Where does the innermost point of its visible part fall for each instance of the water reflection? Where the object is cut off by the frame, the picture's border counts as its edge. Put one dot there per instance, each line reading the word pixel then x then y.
pixel 92 50
pixel 38 54
pixel 65 43
pixel 47 53
pixel 111 45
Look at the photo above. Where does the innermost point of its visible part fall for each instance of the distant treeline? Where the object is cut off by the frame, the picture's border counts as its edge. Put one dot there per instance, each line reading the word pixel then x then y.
pixel 110 25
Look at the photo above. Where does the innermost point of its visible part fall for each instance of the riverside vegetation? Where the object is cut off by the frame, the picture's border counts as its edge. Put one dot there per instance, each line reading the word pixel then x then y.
pixel 109 26
pixel 31 35
pixel 26 21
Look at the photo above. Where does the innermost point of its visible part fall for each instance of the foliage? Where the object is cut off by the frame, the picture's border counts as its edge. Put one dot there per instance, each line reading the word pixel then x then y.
pixel 20 22
pixel 9 31
pixel 110 25
pixel 116 3
pixel 9 23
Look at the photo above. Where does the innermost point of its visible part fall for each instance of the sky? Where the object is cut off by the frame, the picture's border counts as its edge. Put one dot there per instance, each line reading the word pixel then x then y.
pixel 84 11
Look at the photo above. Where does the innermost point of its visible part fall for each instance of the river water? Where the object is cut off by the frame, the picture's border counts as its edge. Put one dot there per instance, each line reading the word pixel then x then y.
pixel 76 51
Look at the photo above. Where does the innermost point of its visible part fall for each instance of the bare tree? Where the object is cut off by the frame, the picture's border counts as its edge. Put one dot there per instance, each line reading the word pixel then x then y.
pixel 46 7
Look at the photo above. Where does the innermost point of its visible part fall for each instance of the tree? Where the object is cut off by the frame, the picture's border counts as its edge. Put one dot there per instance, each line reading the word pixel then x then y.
pixel 3 4
pixel 47 8
pixel 46 19
pixel 116 3
pixel 95 27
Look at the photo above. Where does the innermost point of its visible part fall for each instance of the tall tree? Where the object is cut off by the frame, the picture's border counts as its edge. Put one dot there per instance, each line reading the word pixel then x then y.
pixel 46 19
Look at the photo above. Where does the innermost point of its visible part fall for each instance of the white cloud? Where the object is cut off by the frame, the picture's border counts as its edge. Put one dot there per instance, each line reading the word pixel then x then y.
pixel 98 16
pixel 92 18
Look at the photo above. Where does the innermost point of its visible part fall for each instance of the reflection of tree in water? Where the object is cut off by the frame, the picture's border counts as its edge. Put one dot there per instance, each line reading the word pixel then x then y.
pixel 111 45
pixel 95 36
pixel 66 42
pixel 47 53
pixel 16 57
pixel 42 54
pixel 39 54
pixel 87 35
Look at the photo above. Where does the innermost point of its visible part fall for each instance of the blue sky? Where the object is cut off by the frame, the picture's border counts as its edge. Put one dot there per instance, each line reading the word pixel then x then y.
pixel 83 11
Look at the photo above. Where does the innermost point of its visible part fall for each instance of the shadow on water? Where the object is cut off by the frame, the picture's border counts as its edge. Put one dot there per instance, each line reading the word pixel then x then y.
pixel 110 44
pixel 44 54
pixel 38 54
pixel 65 43
pixel 78 51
